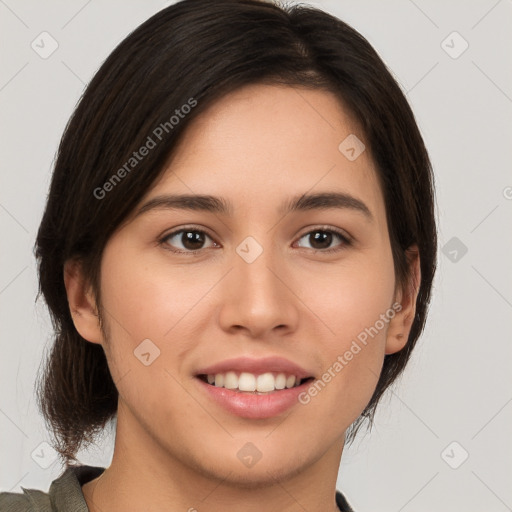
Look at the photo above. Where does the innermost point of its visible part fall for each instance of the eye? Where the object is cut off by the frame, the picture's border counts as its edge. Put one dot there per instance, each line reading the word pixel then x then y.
pixel 191 240
pixel 321 240
pixel 187 240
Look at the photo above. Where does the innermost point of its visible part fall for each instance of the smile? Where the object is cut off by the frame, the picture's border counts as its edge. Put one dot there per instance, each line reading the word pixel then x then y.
pixel 254 388
pixel 252 383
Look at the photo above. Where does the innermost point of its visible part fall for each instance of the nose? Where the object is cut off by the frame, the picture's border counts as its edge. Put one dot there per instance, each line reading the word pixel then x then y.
pixel 258 297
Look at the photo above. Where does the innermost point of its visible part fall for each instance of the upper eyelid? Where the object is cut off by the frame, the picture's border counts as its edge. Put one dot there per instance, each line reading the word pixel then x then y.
pixel 320 227
pixel 185 229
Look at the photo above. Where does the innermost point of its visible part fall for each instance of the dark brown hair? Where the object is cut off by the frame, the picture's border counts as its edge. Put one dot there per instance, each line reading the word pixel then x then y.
pixel 202 50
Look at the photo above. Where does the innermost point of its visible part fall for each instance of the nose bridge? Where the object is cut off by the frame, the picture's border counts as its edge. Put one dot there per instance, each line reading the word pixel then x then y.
pixel 252 267
pixel 256 298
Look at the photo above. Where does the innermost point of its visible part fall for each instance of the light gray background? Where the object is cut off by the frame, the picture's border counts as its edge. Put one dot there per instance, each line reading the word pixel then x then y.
pixel 458 385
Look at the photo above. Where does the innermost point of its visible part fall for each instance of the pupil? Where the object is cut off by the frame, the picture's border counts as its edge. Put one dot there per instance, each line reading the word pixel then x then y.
pixel 322 237
pixel 192 240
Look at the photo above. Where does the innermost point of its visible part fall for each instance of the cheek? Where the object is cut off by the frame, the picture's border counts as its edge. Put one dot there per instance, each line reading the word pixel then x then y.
pixel 355 303
pixel 148 299
pixel 351 296
pixel 146 309
pixel 139 304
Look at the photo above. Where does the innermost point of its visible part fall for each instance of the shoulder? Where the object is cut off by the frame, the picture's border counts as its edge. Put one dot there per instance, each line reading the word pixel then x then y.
pixel 28 501
pixel 65 492
pixel 342 503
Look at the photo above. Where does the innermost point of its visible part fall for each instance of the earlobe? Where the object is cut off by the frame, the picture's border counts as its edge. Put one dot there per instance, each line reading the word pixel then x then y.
pixel 400 325
pixel 81 302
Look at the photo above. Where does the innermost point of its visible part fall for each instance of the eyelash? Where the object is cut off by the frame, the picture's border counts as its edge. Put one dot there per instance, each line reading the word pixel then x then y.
pixel 346 241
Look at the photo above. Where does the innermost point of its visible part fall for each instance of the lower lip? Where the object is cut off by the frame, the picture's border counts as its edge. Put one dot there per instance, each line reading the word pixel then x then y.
pixel 252 406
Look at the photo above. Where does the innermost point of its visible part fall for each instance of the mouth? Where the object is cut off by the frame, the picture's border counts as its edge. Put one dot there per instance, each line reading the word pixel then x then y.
pixel 253 396
pixel 254 388
pixel 251 383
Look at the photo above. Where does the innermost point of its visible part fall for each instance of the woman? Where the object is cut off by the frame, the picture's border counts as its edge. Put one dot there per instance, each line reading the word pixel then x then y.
pixel 237 251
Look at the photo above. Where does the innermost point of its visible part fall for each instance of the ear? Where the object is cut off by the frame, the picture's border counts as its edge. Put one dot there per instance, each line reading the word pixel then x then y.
pixel 405 295
pixel 82 304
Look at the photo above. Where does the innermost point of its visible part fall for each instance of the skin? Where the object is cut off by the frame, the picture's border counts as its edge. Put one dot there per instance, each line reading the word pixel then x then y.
pixel 175 449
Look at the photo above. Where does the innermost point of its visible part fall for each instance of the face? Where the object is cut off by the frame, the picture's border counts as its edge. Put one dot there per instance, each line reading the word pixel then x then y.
pixel 256 288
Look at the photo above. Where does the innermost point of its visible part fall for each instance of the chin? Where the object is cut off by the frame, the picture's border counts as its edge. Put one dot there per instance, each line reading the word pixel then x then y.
pixel 267 471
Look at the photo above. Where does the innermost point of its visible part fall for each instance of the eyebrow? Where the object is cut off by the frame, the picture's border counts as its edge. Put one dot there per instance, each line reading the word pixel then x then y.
pixel 219 205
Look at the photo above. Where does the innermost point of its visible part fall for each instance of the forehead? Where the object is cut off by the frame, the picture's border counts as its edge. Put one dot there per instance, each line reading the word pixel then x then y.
pixel 263 142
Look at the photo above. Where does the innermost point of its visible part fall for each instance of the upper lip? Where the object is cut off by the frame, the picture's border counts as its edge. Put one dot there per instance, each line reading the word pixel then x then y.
pixel 256 366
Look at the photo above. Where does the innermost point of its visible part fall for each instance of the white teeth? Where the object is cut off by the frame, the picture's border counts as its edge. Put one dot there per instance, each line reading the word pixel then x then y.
pixel 249 382
pixel 265 382
pixel 290 381
pixel 230 380
pixel 280 381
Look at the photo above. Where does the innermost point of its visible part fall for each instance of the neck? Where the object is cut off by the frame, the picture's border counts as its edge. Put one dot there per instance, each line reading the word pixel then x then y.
pixel 144 475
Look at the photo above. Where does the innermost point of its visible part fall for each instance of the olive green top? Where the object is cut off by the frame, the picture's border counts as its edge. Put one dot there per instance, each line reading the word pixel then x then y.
pixel 65 494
